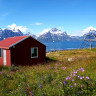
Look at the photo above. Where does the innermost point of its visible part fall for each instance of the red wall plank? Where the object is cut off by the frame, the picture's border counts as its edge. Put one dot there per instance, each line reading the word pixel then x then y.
pixel 1 61
pixel 8 58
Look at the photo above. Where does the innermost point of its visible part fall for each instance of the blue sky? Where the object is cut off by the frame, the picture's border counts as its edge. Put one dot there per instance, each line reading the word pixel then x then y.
pixel 75 17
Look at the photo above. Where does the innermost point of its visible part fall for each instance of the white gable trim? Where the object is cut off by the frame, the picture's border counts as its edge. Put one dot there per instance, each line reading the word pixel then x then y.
pixel 38 41
pixel 23 40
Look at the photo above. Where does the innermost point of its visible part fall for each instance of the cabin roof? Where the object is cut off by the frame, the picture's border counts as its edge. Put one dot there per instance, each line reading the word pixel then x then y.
pixel 11 41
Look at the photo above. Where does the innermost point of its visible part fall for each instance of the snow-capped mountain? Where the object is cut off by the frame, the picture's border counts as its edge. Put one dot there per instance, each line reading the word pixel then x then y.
pixel 5 33
pixel 15 30
pixel 90 35
pixel 9 33
pixel 56 35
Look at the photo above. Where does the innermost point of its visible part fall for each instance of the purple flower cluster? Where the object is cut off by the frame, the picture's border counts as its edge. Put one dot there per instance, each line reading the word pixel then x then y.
pixel 59 66
pixel 63 68
pixel 75 74
pixel 68 78
pixel 1 72
pixel 81 77
pixel 49 67
pixel 80 92
pixel 81 69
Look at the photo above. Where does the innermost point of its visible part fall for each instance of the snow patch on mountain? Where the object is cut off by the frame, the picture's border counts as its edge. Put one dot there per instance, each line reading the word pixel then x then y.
pixel 44 31
pixel 52 31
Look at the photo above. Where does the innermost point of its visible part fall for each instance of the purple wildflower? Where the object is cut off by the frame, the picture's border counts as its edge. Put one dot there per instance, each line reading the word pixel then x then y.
pixel 7 75
pixel 12 92
pixel 87 77
pixel 78 76
pixel 68 78
pixel 74 75
pixel 43 94
pixel 1 73
pixel 63 68
pixel 43 77
pixel 72 79
pixel 70 86
pixel 40 86
pixel 81 69
pixel 75 72
pixel 82 86
pixel 20 88
pixel 74 84
pixel 81 77
pixel 56 65
pixel 65 83
pixel 25 91
pixel 71 73
pixel 80 92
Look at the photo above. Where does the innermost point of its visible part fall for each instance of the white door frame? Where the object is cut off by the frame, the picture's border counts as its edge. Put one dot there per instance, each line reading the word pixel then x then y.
pixel 4 57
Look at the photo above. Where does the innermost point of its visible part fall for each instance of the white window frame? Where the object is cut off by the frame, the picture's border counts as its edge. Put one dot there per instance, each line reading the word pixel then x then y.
pixel 37 53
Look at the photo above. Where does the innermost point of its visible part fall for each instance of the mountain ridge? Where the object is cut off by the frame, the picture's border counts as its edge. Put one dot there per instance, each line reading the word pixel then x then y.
pixel 56 35
pixel 53 35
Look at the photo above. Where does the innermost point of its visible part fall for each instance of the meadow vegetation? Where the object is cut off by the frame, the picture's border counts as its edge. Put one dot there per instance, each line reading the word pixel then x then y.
pixel 65 73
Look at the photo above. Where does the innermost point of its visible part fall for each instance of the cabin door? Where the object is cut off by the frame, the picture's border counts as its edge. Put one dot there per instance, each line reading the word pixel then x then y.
pixel 4 57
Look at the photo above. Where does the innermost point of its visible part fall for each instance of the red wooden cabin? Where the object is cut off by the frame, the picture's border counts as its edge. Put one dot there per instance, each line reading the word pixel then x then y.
pixel 21 50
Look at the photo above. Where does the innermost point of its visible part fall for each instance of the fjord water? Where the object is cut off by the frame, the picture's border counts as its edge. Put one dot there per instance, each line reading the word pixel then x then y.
pixel 66 45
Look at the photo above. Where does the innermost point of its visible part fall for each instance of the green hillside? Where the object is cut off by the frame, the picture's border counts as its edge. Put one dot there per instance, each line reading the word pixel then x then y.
pixel 65 73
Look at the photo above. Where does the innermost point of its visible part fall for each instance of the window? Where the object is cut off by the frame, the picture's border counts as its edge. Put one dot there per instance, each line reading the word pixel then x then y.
pixel 34 52
pixel 0 52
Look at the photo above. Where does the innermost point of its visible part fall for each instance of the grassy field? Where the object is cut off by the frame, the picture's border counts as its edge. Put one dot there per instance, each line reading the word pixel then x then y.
pixel 66 73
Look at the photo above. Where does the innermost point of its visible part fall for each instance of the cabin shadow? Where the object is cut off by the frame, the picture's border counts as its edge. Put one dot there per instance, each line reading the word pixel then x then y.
pixel 47 60
pixel 50 60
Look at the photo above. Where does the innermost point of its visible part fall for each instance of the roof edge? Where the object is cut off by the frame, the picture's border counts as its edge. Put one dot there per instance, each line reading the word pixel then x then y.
pixel 19 41
pixel 4 47
pixel 24 39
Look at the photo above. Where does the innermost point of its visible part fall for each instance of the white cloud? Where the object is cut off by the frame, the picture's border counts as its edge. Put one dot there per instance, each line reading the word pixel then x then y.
pixel 37 24
pixel 82 32
pixel 86 30
pixel 21 28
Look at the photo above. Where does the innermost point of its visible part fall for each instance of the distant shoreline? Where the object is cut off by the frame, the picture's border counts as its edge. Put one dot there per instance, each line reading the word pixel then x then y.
pixel 64 50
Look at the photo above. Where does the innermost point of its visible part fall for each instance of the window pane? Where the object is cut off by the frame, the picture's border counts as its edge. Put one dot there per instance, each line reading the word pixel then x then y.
pixel 34 52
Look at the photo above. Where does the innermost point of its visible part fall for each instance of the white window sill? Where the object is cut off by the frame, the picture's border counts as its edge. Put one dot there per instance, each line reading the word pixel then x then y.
pixel 35 57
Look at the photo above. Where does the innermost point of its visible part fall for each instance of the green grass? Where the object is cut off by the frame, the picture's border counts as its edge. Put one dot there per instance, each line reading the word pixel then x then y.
pixel 66 73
